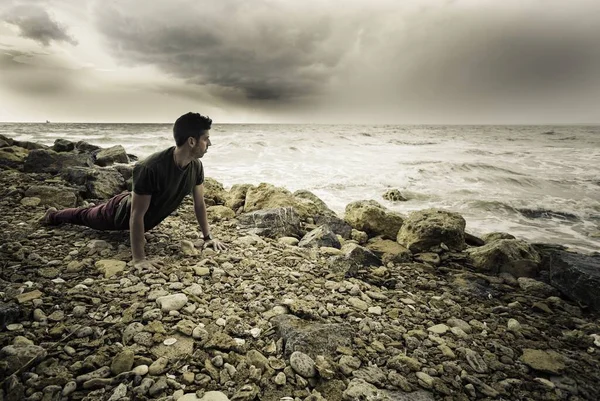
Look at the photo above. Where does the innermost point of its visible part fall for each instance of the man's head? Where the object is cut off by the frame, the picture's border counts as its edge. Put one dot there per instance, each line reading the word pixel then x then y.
pixel 192 130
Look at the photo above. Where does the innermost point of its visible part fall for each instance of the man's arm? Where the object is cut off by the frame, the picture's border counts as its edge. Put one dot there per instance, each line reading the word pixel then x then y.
pixel 139 207
pixel 200 211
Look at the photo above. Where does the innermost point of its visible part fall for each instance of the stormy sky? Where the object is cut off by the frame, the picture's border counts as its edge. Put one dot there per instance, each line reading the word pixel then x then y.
pixel 309 61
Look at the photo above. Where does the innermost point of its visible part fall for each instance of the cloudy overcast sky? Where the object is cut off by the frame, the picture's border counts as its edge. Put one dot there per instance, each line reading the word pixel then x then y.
pixel 376 61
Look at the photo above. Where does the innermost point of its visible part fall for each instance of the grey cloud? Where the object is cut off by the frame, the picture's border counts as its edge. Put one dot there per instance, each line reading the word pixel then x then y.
pixel 385 54
pixel 261 50
pixel 35 23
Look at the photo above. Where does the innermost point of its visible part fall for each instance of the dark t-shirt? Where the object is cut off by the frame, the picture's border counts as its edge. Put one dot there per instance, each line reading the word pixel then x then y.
pixel 159 176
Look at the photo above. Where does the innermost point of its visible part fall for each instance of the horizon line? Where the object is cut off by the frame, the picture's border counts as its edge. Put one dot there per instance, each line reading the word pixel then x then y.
pixel 547 124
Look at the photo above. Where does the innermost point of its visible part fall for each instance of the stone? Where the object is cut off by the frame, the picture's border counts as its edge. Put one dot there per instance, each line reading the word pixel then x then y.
pixel 495 236
pixel 16 356
pixel 311 338
pixel 577 276
pixel 303 364
pixel 172 302
pixel 393 195
pixel 322 236
pixel 359 389
pixel 544 361
pixel 98 183
pixel 183 346
pixel 400 361
pixel 388 251
pixel 188 248
pixel 110 267
pixel 28 296
pixel 51 162
pixel 13 156
pixel 438 329
pixel 214 193
pixel 59 197
pixel 62 145
pixel 428 229
pixel 506 256
pixel 159 366
pixel 373 218
pixel 271 223
pixel 122 362
pixel 219 213
pixel 9 313
pixel 112 155
pixel 537 288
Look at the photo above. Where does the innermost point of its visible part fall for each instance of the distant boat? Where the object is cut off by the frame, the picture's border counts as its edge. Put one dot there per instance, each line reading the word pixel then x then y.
pixel 47 122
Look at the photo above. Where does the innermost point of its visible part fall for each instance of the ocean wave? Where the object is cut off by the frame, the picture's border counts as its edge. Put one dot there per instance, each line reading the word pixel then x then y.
pixel 484 167
pixel 540 213
pixel 411 143
pixel 549 133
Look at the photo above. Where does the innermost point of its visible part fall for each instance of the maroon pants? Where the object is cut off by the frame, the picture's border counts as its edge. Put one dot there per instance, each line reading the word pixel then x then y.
pixel 101 217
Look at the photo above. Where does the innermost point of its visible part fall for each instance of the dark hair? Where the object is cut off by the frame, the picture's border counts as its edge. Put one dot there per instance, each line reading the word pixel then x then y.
pixel 190 125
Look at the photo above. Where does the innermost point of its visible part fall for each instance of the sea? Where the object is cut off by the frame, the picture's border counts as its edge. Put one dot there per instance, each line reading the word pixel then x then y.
pixel 538 183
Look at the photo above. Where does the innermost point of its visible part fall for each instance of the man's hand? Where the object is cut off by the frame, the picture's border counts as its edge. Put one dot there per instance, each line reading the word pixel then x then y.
pixel 215 244
pixel 148 264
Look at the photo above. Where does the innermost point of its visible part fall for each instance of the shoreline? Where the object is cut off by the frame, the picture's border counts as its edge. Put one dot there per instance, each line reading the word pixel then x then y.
pixel 367 307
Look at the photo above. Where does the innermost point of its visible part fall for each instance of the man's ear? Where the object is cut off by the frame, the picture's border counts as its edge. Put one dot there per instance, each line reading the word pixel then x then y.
pixel 191 141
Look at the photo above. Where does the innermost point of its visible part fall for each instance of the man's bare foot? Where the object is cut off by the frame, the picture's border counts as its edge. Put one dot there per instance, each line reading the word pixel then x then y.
pixel 46 220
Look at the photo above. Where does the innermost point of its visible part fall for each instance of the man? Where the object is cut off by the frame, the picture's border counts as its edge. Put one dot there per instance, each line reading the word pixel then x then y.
pixel 160 183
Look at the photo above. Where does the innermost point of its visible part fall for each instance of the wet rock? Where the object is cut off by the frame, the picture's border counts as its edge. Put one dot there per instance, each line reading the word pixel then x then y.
pixel 373 218
pixel 9 313
pixel 311 338
pixel 506 256
pixel 49 161
pixel 271 223
pixel 59 197
pixel 112 155
pixel 321 236
pixel 544 361
pixel 430 228
pixel 303 364
pixel 577 276
pixel 16 356
pixel 122 362
pixel 172 302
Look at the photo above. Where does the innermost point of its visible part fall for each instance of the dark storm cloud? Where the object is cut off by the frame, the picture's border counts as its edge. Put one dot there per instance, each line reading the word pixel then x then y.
pixel 34 22
pixel 263 50
pixel 425 54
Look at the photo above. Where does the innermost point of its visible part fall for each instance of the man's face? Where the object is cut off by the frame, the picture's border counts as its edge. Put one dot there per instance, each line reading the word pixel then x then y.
pixel 201 145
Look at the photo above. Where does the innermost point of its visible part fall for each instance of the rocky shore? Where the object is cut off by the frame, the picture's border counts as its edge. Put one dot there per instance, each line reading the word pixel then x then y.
pixel 305 304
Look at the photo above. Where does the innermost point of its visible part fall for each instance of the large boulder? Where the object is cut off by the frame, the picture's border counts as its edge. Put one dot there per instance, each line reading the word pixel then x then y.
pixel 112 155
pixel 13 156
pixel 429 228
pixel 84 147
pixel 214 193
pixel 53 196
pixel 353 258
pixel 495 236
pixel 315 204
pixel 30 145
pixel 389 251
pixel 271 223
pixel 267 196
pixel 63 145
pixel 98 183
pixel 49 161
pixel 512 256
pixel 336 224
pixel 311 338
pixel 577 276
pixel 373 218
pixel 236 197
pixel 320 236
